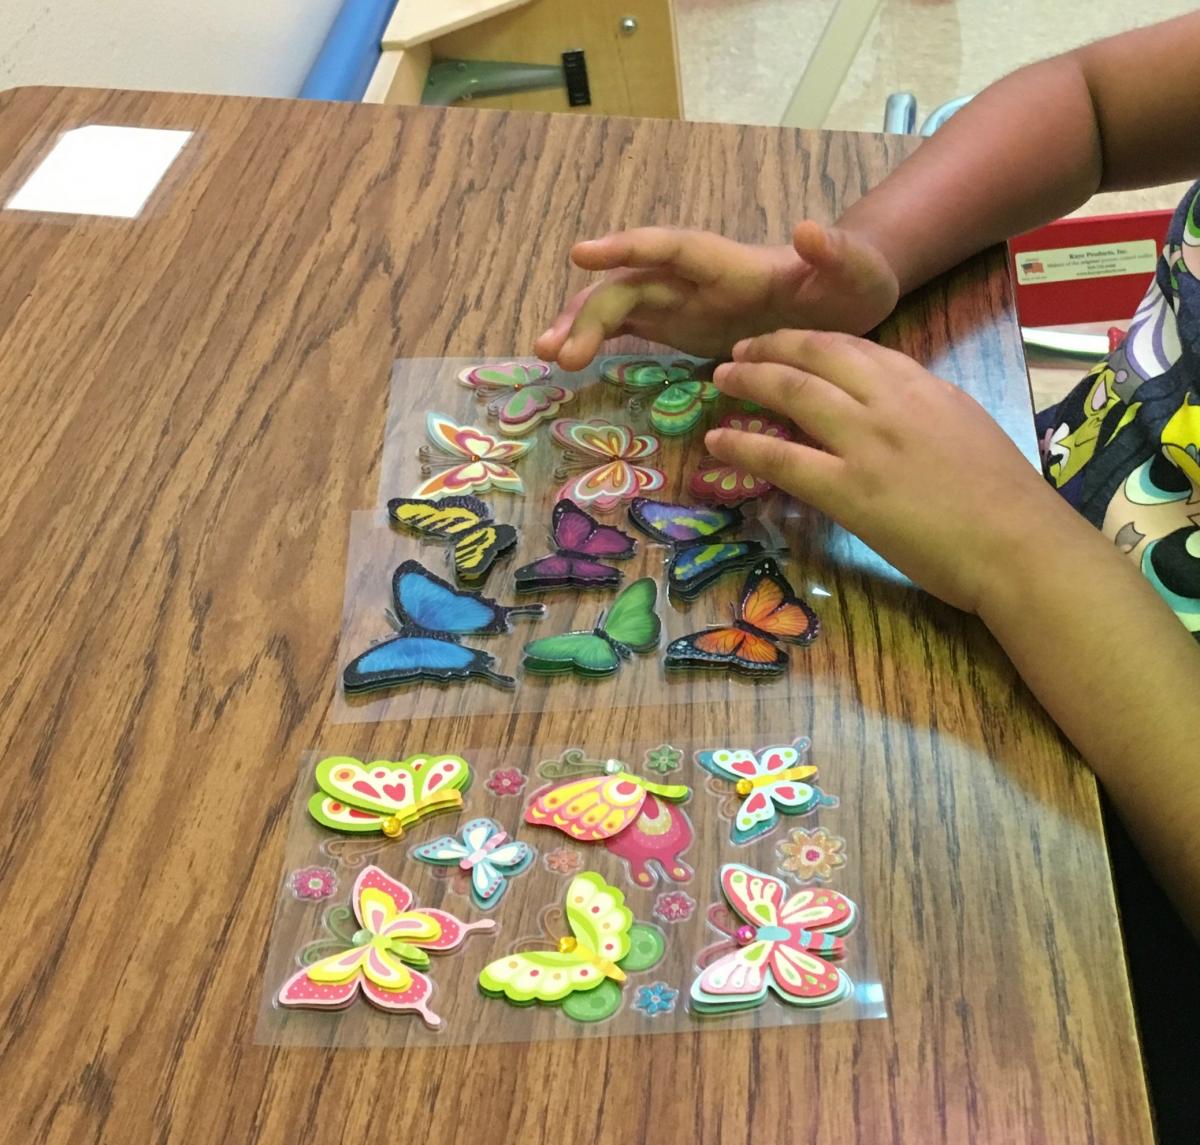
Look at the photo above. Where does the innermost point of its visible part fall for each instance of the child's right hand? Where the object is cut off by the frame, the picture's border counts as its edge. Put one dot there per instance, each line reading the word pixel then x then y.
pixel 701 293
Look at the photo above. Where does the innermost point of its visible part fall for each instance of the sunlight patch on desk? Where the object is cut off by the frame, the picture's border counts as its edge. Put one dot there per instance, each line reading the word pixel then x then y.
pixel 100 170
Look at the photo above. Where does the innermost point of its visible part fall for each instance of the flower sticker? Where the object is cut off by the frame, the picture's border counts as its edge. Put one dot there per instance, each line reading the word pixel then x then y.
pixel 312 883
pixel 505 781
pixel 563 861
pixel 657 998
pixel 663 758
pixel 674 906
pixel 812 855
pixel 716 481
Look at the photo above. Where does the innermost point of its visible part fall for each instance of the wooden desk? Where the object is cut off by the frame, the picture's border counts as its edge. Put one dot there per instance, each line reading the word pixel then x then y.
pixel 193 405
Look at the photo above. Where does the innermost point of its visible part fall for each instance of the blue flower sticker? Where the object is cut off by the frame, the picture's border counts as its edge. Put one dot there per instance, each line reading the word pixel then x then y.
pixel 657 998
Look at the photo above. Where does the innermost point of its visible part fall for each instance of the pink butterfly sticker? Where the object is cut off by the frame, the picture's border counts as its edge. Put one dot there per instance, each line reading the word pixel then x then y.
pixel 467 460
pixel 715 481
pixel 610 457
pixel 781 941
pixel 392 939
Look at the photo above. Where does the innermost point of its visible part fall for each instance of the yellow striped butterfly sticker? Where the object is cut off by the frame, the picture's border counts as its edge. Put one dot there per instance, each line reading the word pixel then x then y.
pixel 465 520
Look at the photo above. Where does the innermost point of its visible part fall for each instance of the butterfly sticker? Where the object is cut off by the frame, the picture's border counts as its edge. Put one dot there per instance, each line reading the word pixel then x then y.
pixel 467 521
pixel 783 943
pixel 698 559
pixel 579 539
pixel 483 850
pixel 585 971
pixel 631 625
pixel 718 481
pixel 681 389
pixel 597 806
pixel 769 782
pixel 635 819
pixel 466 460
pixel 392 938
pixel 385 795
pixel 610 457
pixel 521 395
pixel 429 618
pixel 768 612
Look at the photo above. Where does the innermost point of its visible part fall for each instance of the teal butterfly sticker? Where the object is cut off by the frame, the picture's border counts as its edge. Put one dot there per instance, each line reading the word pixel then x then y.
pixel 681 387
pixel 631 625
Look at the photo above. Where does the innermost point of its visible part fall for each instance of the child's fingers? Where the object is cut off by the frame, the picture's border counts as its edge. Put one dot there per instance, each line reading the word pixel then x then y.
pixel 605 308
pixel 807 473
pixel 550 342
pixel 695 255
pixel 839 358
pixel 823 411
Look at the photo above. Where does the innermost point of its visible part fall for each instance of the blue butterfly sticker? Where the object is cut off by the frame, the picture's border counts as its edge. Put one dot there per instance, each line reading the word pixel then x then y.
pixel 430 616
pixel 484 850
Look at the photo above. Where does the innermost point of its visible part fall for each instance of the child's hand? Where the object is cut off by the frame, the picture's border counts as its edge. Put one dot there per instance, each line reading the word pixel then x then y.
pixel 908 462
pixel 700 292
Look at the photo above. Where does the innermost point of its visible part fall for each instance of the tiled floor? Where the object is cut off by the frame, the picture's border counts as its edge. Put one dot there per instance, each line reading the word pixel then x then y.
pixel 741 60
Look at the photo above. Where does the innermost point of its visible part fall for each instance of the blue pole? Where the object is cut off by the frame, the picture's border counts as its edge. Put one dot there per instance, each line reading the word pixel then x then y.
pixel 347 59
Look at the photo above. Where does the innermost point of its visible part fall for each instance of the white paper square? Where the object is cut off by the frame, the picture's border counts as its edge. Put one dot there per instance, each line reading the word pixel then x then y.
pixel 100 170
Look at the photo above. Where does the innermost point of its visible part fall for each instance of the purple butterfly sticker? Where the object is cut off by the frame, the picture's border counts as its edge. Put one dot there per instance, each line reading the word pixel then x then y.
pixel 578 539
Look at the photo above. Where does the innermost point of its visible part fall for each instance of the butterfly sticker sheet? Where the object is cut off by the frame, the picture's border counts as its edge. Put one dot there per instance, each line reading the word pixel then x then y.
pixel 634 924
pixel 606 504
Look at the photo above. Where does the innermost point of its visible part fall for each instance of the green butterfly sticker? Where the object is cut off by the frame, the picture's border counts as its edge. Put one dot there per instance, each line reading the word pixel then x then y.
pixel 683 389
pixel 586 970
pixel 631 625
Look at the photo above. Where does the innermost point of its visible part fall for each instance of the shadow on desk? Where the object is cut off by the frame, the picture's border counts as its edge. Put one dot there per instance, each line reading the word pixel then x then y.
pixel 1164 965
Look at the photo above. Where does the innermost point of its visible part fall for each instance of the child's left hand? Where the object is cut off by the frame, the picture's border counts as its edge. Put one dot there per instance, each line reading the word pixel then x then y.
pixel 908 462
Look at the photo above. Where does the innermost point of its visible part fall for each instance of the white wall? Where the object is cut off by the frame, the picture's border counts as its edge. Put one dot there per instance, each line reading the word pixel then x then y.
pixel 240 47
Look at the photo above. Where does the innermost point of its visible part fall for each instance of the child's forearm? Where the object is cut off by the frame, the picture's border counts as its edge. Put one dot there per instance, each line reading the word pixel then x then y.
pixel 1120 676
pixel 1038 144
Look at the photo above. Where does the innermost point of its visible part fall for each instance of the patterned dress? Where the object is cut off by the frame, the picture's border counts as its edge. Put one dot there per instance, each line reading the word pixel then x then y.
pixel 1124 446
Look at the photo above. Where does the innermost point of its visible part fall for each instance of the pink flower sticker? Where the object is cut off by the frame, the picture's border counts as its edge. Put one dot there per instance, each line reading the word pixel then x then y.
pixel 313 883
pixel 505 781
pixel 563 861
pixel 674 906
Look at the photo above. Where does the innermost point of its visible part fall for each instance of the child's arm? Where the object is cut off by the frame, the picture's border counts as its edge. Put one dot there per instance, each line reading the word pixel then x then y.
pixel 918 470
pixel 1117 113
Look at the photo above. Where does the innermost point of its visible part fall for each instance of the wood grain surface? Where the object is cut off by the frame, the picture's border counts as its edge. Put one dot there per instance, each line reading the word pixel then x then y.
pixel 194 405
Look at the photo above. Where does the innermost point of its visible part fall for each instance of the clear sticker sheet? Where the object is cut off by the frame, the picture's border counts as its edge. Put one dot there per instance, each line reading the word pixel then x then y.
pixel 351 930
pixel 786 531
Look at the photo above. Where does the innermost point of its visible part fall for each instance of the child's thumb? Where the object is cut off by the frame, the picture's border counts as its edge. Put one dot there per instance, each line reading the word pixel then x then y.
pixel 815 245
